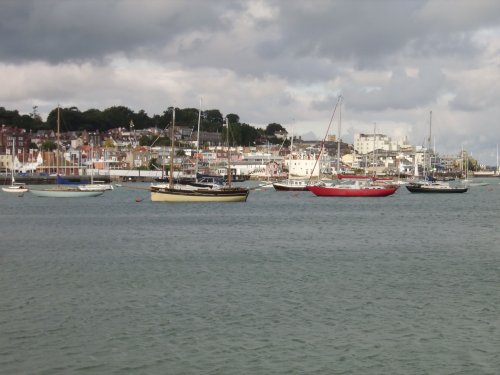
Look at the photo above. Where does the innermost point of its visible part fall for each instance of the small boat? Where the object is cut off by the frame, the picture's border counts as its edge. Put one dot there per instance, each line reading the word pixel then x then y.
pixel 64 192
pixel 356 188
pixel 291 185
pixel 14 187
pixel 434 187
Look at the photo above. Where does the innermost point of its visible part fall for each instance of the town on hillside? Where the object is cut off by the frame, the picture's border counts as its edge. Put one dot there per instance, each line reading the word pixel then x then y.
pixel 74 143
pixel 118 154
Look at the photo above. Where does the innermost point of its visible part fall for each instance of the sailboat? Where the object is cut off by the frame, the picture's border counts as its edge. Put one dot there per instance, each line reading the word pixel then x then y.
pixel 14 187
pixel 354 188
pixel 290 184
pixel 429 184
pixel 190 193
pixel 94 185
pixel 61 191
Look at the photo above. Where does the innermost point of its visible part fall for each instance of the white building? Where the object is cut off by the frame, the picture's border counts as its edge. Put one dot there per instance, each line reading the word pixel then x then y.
pixel 366 143
pixel 307 165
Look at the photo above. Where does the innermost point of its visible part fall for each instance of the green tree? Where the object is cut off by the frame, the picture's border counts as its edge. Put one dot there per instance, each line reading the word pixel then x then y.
pixel 48 146
pixel 145 141
pixel 108 143
pixel 153 164
pixel 116 117
pixel 271 129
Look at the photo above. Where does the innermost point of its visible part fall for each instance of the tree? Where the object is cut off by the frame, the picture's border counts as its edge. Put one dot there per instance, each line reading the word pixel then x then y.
pixel 145 141
pixel 108 143
pixel 119 116
pixel 233 119
pixel 48 146
pixel 153 164
pixel 271 129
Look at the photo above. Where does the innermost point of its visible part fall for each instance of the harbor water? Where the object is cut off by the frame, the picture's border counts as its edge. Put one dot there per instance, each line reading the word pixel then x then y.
pixel 286 283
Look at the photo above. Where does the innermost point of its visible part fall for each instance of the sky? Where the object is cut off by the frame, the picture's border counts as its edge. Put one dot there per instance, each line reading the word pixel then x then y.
pixel 393 63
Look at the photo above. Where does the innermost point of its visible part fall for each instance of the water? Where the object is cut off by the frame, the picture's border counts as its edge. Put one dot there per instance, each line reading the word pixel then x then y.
pixel 286 283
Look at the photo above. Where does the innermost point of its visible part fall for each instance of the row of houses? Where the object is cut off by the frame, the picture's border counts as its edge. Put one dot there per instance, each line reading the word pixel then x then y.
pixel 118 149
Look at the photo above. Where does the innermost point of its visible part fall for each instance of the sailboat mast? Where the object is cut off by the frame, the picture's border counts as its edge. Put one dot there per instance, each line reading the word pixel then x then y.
pixel 228 156
pixel 13 159
pixel 290 156
pixel 338 140
pixel 429 141
pixel 57 146
pixel 172 146
pixel 430 130
pixel 374 145
pixel 498 170
pixel 197 144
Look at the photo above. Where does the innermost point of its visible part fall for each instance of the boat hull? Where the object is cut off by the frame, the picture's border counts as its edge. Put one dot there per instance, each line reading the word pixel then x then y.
pixel 427 189
pixel 332 191
pixel 284 186
pixel 198 195
pixel 15 189
pixel 65 193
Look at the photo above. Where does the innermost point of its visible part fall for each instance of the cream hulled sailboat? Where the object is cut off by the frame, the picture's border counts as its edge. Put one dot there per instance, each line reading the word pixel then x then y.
pixel 172 192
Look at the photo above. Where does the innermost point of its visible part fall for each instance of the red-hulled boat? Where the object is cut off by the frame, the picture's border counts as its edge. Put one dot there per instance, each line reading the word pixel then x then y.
pixel 356 189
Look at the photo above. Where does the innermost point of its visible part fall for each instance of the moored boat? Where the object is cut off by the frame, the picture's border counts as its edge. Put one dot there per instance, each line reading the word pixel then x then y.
pixel 357 188
pixel 291 185
pixel 63 192
pixel 15 188
pixel 435 187
pixel 209 192
pixel 163 193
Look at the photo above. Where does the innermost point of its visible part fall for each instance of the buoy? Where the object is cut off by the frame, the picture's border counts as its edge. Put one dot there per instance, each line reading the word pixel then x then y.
pixel 138 199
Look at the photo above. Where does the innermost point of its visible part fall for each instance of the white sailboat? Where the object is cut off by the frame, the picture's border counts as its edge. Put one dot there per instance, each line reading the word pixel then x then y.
pixel 14 187
pixel 60 191
pixel 429 184
pixel 94 185
pixel 291 184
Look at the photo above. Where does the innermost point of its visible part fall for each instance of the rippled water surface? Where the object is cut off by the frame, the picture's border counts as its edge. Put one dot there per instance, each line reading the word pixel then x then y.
pixel 286 283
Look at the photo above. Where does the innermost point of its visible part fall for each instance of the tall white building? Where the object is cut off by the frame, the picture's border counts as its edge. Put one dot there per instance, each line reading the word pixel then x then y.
pixel 366 143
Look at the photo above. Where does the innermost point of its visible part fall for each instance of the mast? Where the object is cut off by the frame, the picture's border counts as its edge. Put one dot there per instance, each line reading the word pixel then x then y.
pixel 429 140
pixel 430 131
pixel 172 146
pixel 57 146
pixel 498 170
pixel 228 156
pixel 197 144
pixel 338 140
pixel 374 134
pixel 290 156
pixel 13 158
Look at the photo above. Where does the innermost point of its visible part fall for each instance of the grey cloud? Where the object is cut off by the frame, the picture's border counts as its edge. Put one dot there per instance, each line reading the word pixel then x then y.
pixel 65 30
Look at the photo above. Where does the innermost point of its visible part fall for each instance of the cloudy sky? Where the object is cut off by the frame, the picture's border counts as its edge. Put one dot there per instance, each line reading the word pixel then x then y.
pixel 393 62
